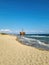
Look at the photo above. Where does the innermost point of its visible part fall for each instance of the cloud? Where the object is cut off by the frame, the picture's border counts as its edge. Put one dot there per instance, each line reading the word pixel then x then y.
pixel 35 31
pixel 5 31
pixel 17 31
pixel 31 31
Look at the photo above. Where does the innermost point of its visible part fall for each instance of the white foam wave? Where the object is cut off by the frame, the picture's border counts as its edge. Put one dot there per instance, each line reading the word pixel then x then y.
pixel 42 43
pixel 33 41
pixel 37 36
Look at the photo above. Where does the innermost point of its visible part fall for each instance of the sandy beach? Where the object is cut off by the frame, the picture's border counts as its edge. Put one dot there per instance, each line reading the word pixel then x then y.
pixel 13 52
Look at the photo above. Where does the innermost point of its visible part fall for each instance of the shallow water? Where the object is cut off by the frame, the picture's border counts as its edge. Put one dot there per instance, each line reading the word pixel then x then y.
pixel 41 42
pixel 42 38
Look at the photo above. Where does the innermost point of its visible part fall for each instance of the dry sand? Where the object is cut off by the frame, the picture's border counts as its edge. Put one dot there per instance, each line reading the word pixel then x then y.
pixel 14 53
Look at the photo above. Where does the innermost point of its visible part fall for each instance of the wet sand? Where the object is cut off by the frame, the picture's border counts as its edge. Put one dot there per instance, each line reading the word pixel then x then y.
pixel 13 52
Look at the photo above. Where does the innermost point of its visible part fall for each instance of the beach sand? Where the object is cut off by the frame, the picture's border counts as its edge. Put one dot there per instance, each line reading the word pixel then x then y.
pixel 13 52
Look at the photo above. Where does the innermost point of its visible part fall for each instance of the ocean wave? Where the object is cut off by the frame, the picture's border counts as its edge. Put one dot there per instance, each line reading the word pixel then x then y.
pixel 38 36
pixel 33 42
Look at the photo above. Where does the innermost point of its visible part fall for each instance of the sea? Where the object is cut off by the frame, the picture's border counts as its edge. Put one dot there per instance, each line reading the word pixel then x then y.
pixel 40 41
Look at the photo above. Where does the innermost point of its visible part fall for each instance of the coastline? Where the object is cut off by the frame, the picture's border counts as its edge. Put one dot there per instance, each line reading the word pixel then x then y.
pixel 33 43
pixel 12 52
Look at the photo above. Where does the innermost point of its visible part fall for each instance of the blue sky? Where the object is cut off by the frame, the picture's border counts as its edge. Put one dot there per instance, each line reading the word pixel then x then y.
pixel 31 15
